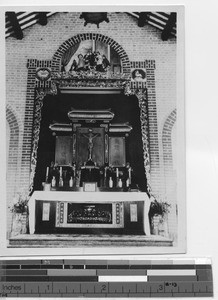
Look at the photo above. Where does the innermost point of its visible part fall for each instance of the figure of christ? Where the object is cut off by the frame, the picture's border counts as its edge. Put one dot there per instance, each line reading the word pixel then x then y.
pixel 90 136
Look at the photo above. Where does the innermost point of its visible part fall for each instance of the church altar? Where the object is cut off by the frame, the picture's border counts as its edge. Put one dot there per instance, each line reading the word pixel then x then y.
pixel 56 211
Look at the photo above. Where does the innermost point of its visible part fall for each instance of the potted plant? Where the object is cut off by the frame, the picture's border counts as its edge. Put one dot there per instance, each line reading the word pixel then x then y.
pixel 158 217
pixel 19 209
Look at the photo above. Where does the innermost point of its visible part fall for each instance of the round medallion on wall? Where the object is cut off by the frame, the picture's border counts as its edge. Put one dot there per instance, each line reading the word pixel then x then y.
pixel 43 74
pixel 138 75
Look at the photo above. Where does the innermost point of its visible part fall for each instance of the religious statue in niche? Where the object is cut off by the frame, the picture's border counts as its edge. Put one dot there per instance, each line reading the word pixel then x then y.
pixel 91 61
pixel 90 57
pixel 138 75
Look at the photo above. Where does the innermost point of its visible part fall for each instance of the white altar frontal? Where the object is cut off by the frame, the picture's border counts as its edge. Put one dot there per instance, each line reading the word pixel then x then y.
pixel 67 211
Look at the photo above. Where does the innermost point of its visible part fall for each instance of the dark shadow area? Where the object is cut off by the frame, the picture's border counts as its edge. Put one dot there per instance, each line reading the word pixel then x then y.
pixel 125 108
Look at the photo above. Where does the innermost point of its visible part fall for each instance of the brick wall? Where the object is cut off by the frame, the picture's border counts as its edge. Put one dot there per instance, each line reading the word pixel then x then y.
pixel 169 168
pixel 138 44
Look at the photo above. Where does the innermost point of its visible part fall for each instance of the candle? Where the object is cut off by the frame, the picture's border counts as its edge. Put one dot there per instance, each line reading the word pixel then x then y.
pixel 47 170
pixel 61 171
pixel 117 172
pixel 130 175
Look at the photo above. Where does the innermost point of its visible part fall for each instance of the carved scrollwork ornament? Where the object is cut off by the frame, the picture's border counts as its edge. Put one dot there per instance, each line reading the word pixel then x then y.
pixel 141 94
pixel 39 97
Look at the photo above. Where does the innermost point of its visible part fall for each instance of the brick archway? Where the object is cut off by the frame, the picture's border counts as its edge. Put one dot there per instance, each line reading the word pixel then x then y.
pixel 13 138
pixel 167 141
pixel 56 60
pixel 13 159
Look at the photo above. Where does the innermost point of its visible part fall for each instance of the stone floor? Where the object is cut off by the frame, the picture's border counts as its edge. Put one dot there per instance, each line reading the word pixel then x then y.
pixel 85 240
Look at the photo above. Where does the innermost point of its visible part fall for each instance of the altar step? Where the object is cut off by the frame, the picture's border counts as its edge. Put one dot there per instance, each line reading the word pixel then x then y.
pixel 87 240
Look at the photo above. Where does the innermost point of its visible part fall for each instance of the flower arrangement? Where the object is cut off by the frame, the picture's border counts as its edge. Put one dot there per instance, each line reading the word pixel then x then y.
pixel 20 202
pixel 159 208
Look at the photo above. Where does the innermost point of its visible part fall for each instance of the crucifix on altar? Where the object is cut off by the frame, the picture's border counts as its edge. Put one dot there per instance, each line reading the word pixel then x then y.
pixel 90 136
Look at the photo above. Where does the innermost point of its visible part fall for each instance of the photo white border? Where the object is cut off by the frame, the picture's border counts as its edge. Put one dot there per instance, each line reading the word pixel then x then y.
pixel 181 194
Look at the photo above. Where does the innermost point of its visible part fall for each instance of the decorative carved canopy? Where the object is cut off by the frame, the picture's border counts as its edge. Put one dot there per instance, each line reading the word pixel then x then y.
pixel 62 127
pixel 90 116
pixel 120 127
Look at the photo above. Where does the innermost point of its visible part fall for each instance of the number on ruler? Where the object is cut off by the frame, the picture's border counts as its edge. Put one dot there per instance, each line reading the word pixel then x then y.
pixel 161 287
pixel 103 288
pixel 174 284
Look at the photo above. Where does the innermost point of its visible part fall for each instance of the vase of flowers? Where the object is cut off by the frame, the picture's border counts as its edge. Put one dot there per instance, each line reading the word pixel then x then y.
pixel 19 209
pixel 158 217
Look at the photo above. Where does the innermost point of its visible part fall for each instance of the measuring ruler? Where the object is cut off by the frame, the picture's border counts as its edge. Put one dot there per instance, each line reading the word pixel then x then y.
pixel 106 278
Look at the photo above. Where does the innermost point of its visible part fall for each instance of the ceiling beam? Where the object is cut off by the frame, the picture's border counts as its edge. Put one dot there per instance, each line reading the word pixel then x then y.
pixel 15 25
pixel 143 18
pixel 168 27
pixel 42 20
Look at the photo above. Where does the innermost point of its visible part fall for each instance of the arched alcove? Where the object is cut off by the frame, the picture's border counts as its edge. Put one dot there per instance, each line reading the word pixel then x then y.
pixel 67 45
pixel 167 141
pixel 12 141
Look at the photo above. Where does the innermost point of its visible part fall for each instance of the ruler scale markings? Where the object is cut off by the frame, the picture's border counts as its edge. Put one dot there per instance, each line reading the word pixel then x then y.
pixel 168 277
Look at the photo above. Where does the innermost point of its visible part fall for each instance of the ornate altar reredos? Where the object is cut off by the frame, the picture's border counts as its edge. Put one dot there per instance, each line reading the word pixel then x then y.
pixel 90 128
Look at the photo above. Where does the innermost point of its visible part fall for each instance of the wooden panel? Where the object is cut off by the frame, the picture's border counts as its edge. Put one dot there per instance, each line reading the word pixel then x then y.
pixel 82 153
pixel 117 153
pixel 63 150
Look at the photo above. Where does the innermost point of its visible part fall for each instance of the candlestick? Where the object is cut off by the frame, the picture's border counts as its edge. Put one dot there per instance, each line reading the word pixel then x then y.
pixel 130 175
pixel 47 170
pixel 60 171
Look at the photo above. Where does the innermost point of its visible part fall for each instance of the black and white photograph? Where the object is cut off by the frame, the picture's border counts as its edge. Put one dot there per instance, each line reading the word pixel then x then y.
pixel 95 129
